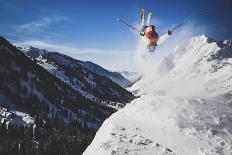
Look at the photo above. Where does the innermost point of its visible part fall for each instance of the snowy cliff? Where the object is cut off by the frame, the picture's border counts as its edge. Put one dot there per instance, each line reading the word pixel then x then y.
pixel 185 105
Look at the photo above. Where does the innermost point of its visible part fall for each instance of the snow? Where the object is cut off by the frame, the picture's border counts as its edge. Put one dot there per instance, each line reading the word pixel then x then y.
pixel 77 84
pixel 114 76
pixel 33 52
pixel 60 74
pixel 18 119
pixel 25 117
pixel 131 76
pixel 185 105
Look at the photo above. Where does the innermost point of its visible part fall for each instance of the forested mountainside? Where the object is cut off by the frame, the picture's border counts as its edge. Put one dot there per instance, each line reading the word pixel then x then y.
pixel 40 113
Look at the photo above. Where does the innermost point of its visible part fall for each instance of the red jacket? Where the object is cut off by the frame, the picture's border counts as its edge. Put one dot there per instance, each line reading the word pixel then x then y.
pixel 151 35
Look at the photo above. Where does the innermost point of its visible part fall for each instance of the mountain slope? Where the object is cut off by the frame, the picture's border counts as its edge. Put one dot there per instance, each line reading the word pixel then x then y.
pixel 185 106
pixel 114 76
pixel 39 110
pixel 131 76
pixel 17 70
pixel 87 81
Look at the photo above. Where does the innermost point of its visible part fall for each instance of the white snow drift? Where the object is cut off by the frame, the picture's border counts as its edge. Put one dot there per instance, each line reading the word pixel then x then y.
pixel 185 105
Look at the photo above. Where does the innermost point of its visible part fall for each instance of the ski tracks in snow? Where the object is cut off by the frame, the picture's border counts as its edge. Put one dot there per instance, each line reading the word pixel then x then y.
pixel 127 142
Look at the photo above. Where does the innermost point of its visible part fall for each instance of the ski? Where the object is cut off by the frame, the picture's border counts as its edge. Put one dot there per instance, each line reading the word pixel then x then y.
pixel 142 17
pixel 149 18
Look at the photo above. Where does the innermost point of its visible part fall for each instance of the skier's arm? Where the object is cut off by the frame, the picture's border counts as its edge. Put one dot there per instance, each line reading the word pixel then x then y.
pixel 164 37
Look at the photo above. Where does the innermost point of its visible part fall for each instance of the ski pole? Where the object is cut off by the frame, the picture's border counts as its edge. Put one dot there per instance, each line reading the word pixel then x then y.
pixel 176 27
pixel 128 25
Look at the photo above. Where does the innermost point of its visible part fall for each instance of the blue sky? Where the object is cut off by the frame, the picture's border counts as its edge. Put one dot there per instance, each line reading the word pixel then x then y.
pixel 88 30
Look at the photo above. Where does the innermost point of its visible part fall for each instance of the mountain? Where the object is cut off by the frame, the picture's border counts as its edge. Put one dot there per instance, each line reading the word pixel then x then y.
pixel 114 76
pixel 87 78
pixel 131 76
pixel 40 110
pixel 185 105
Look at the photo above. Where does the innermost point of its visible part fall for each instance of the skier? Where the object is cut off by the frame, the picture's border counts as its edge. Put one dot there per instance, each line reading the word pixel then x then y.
pixel 149 31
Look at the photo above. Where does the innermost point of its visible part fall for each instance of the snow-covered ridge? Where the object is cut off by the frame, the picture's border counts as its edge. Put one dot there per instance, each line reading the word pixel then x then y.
pixel 131 76
pixel 89 79
pixel 34 52
pixel 114 76
pixel 37 53
pixel 184 108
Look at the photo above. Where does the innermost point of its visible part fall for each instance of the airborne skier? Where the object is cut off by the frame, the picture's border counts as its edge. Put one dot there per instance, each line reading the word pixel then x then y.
pixel 149 31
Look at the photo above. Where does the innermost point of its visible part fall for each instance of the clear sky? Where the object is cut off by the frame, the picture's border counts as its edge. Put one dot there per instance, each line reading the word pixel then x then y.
pixel 88 30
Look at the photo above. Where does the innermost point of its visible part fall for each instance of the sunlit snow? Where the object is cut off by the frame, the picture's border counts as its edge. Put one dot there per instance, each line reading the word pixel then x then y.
pixel 184 105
